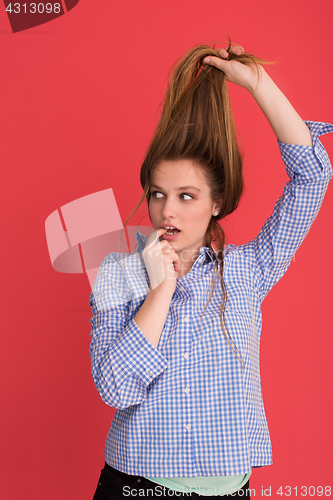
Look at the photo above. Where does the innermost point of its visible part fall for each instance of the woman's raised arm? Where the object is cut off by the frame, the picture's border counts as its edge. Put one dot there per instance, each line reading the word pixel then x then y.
pixel 288 126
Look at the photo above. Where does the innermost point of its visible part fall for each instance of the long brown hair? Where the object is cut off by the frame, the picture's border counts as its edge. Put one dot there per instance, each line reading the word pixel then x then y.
pixel 197 123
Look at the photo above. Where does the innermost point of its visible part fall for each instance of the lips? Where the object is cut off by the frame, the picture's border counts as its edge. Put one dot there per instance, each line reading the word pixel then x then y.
pixel 170 227
pixel 170 234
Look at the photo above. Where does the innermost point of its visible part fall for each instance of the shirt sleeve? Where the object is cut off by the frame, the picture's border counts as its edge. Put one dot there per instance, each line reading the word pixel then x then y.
pixel 123 361
pixel 309 170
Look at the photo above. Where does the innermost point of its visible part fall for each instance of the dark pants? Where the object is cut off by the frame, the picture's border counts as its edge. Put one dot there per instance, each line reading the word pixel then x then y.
pixel 114 485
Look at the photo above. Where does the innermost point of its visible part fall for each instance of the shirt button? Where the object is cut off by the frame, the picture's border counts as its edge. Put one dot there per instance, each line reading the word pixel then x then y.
pixel 186 319
pixel 188 426
pixel 181 288
pixel 149 373
pixel 187 390
pixel 186 355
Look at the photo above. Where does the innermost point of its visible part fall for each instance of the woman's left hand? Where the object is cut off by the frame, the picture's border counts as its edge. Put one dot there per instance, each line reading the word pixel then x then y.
pixel 244 75
pixel 285 121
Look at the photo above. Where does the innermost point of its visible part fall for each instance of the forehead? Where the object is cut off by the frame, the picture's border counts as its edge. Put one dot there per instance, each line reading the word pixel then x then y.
pixel 179 173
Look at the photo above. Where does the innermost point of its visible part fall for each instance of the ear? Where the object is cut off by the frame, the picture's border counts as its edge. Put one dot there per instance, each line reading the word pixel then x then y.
pixel 217 206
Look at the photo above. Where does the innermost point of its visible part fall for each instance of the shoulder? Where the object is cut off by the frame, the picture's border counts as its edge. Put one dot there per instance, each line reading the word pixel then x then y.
pixel 121 265
pixel 240 258
pixel 233 252
pixel 116 259
pixel 124 272
pixel 241 268
pixel 126 261
pixel 242 251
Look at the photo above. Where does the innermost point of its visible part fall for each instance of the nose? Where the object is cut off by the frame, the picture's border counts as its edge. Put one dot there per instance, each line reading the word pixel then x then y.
pixel 169 208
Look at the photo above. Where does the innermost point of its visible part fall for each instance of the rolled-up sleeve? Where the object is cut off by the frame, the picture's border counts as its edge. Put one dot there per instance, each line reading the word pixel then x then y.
pixel 310 171
pixel 123 361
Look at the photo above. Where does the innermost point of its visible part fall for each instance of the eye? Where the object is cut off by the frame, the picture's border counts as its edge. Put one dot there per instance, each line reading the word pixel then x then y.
pixel 189 196
pixel 155 193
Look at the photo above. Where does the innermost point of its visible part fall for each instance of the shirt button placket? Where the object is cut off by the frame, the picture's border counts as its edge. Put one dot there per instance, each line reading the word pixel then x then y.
pixel 187 396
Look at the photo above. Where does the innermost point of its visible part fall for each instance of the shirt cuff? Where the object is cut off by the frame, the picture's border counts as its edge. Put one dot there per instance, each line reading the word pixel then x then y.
pixel 133 354
pixel 309 162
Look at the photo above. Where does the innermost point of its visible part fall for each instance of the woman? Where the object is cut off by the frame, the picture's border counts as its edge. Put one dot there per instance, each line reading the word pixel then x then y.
pixel 176 324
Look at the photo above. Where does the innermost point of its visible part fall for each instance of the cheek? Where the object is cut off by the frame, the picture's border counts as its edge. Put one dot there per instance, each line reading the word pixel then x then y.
pixel 152 210
pixel 200 214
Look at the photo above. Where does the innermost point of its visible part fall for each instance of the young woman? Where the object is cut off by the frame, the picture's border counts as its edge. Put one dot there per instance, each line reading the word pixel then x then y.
pixel 176 324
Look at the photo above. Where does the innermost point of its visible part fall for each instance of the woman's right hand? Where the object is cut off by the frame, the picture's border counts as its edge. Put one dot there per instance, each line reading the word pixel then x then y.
pixel 162 262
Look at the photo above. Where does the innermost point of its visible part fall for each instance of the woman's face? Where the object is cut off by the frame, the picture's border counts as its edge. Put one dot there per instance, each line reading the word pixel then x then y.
pixel 180 197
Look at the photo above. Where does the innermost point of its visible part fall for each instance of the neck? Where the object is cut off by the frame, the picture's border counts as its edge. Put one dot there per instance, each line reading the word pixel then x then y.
pixel 187 260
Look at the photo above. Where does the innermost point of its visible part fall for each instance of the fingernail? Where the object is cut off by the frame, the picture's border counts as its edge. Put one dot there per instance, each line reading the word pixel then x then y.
pixel 206 60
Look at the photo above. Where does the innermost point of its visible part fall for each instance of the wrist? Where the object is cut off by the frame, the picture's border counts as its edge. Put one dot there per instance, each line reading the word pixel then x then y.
pixel 259 82
pixel 161 292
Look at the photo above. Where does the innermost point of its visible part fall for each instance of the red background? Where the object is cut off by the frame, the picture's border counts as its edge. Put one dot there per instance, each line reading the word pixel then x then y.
pixel 79 101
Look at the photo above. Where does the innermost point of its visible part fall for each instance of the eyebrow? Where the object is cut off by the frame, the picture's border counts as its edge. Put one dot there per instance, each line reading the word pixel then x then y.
pixel 182 188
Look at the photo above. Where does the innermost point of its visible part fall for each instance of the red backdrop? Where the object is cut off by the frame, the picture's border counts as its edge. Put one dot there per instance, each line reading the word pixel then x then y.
pixel 79 101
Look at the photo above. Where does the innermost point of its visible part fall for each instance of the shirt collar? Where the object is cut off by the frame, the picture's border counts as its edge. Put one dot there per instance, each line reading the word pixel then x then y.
pixel 205 251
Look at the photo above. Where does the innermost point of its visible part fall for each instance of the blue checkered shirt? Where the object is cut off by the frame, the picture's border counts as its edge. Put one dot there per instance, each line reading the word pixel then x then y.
pixel 183 410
